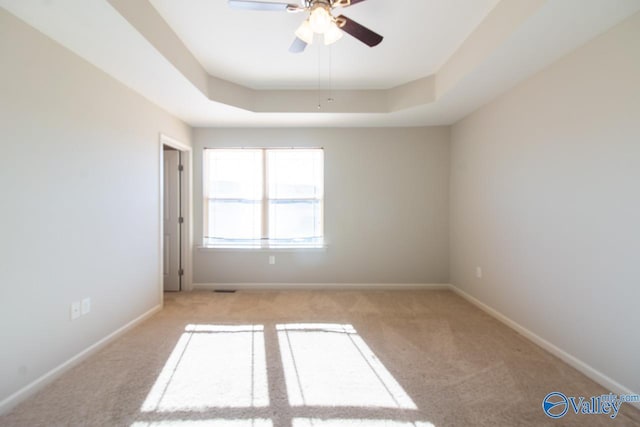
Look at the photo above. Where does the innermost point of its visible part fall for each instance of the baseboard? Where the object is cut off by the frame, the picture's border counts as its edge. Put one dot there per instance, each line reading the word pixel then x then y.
pixel 53 374
pixel 589 371
pixel 319 286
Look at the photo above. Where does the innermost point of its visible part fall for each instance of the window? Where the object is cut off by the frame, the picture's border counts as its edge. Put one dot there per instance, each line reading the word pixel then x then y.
pixel 263 198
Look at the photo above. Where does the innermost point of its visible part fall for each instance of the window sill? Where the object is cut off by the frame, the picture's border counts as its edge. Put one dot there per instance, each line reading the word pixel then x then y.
pixel 240 248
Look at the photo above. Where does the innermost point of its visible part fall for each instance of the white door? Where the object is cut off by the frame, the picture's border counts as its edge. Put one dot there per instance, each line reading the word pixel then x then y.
pixel 171 220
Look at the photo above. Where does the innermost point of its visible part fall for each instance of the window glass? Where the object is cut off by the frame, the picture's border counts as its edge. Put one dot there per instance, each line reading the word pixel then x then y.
pixel 235 219
pixel 295 219
pixel 235 174
pixel 295 174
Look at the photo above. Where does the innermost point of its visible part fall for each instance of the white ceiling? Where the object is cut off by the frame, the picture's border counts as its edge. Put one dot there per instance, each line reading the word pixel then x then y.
pixel 97 32
pixel 251 47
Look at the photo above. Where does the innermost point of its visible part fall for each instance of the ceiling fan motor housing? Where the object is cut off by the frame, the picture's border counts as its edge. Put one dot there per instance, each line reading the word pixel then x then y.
pixel 320 17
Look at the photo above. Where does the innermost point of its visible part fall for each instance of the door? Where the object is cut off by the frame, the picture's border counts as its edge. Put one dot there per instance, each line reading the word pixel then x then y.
pixel 172 221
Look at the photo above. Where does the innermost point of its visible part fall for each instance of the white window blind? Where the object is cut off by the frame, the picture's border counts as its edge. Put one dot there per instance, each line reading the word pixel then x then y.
pixel 264 197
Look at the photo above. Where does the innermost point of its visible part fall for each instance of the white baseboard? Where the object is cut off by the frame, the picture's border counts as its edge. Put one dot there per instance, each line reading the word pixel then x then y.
pixel 319 286
pixel 53 374
pixel 589 371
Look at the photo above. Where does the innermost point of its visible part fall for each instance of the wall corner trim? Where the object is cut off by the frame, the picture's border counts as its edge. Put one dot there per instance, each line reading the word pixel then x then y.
pixel 38 384
pixel 569 359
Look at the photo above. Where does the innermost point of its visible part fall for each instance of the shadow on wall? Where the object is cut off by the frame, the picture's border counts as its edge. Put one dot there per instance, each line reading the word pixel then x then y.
pixel 219 376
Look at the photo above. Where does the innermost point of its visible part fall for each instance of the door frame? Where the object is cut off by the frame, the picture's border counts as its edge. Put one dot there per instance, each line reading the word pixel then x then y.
pixel 187 209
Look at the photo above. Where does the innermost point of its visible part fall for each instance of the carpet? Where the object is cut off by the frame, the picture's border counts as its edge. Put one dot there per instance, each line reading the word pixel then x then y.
pixel 315 359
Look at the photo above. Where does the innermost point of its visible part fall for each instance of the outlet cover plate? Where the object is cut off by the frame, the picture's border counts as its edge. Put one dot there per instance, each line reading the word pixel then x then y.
pixel 75 310
pixel 86 305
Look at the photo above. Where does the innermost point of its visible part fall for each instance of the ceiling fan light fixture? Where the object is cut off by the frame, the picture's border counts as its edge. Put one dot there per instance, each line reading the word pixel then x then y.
pixel 320 18
pixel 333 34
pixel 305 33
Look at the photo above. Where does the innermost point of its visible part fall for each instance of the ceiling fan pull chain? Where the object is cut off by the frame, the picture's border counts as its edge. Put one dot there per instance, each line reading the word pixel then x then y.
pixel 330 89
pixel 319 78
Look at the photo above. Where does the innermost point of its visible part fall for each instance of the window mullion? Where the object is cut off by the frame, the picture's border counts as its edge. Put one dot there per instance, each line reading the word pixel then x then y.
pixel 205 193
pixel 265 196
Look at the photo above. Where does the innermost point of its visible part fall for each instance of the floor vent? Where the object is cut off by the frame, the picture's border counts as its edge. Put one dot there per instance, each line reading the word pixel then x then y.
pixel 225 291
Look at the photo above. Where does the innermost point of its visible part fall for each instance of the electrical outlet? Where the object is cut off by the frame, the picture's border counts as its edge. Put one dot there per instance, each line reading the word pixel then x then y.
pixel 272 259
pixel 75 310
pixel 479 272
pixel 86 306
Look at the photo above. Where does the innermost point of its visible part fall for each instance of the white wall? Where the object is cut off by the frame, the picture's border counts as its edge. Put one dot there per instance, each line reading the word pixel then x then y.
pixel 386 210
pixel 79 193
pixel 545 196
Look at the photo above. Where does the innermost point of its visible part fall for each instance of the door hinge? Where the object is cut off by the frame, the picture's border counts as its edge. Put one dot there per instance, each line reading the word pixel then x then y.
pixel 181 272
pixel 180 168
pixel 180 220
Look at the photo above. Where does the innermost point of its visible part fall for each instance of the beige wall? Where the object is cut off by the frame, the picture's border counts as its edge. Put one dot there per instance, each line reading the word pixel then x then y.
pixel 386 211
pixel 79 193
pixel 545 197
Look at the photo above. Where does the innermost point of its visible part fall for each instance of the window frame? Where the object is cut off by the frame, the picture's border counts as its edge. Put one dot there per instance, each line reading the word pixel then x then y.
pixel 264 242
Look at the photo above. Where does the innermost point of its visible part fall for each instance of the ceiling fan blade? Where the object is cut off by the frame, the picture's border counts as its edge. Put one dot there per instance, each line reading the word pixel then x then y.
pixel 345 3
pixel 264 6
pixel 298 46
pixel 358 31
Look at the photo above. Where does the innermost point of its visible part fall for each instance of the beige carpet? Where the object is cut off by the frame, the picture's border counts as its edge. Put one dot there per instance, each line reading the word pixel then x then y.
pixel 321 359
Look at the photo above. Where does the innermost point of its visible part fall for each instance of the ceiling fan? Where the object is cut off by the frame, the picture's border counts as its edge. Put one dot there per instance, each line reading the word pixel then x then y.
pixel 319 21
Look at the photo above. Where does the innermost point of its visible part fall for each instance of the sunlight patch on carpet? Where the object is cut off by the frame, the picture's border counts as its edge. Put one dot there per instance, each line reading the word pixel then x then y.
pixel 206 423
pixel 331 365
pixel 213 366
pixel 314 422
